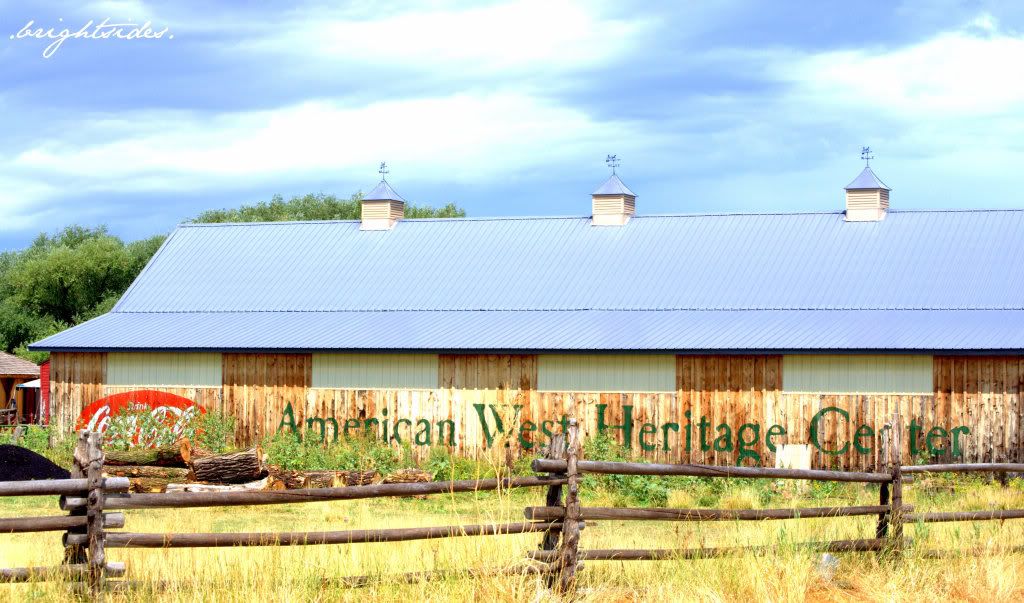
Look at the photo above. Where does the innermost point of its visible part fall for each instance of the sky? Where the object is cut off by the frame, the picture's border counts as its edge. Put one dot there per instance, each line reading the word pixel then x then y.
pixel 504 108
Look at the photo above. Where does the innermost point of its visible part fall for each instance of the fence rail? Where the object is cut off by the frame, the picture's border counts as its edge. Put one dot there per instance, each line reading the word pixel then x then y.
pixel 89 500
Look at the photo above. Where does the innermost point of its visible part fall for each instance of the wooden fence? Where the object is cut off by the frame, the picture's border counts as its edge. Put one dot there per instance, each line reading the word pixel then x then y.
pixel 88 497
pixel 84 527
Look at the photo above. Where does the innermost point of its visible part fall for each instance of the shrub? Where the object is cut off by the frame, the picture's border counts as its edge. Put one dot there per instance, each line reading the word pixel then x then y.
pixel 356 453
pixel 214 431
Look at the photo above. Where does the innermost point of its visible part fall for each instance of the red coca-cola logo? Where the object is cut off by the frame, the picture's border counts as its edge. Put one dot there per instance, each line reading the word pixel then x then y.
pixel 172 411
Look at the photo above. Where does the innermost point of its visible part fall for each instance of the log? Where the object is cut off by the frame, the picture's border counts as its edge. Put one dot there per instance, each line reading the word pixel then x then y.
pixel 361 478
pixel 178 454
pixel 231 468
pixel 837 546
pixel 963 516
pixel 188 500
pixel 77 571
pixel 142 540
pixel 324 479
pixel 617 468
pixel 151 484
pixel 408 476
pixel 261 484
pixel 291 479
pixel 73 486
pixel 965 468
pixel 177 473
pixel 13 525
pixel 555 513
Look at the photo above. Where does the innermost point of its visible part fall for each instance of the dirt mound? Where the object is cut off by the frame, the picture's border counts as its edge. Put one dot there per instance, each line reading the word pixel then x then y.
pixel 17 463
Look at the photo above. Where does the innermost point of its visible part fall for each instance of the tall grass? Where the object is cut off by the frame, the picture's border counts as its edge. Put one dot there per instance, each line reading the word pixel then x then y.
pixel 982 566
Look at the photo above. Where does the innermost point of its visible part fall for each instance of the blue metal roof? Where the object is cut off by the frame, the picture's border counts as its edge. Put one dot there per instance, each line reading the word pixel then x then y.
pixel 613 186
pixel 383 192
pixel 866 180
pixel 917 280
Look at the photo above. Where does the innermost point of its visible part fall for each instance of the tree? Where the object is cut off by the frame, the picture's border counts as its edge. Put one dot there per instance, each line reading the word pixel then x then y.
pixel 315 207
pixel 79 273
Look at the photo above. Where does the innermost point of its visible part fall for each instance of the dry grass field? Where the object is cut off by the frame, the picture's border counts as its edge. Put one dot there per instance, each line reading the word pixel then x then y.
pixel 981 566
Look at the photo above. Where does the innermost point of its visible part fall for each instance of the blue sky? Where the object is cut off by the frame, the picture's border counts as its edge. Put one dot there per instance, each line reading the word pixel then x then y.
pixel 506 108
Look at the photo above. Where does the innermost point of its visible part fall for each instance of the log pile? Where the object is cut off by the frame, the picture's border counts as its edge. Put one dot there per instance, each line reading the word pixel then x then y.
pixel 157 469
pixel 184 468
pixel 231 468
pixel 291 479
pixel 408 476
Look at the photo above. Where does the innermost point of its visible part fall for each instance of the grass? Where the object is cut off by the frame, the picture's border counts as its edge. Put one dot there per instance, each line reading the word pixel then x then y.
pixel 982 567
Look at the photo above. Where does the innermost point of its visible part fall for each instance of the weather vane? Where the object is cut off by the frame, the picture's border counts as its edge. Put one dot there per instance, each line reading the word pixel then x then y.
pixel 613 162
pixel 865 154
pixel 383 171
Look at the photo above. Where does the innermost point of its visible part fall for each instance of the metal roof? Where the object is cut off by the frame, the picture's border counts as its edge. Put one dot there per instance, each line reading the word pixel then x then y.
pixel 917 280
pixel 613 186
pixel 866 180
pixel 383 192
pixel 552 331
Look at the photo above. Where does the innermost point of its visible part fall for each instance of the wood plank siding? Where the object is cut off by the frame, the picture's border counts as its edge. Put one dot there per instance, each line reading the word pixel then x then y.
pixel 258 387
pixel 76 380
pixel 482 402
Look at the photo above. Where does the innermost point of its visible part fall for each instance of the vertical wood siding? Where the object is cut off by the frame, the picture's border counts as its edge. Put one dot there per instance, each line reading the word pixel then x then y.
pixel 487 371
pixel 606 373
pixel 76 380
pixel 257 388
pixel 980 396
pixel 857 374
pixel 376 371
pixel 164 369
pixel 731 390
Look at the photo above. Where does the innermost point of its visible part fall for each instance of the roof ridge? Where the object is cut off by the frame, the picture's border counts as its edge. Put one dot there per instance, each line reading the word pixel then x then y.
pixel 587 217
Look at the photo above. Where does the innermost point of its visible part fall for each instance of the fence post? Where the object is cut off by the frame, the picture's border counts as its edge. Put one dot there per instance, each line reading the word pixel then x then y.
pixel 896 515
pixel 94 512
pixel 568 552
pixel 556 450
pixel 74 538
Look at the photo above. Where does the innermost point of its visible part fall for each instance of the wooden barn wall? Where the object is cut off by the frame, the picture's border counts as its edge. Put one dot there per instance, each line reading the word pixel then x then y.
pixel 258 388
pixel 488 401
pixel 76 380
pixel 487 371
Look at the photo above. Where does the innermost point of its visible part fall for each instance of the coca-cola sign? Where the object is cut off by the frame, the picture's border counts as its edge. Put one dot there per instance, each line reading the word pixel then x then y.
pixel 166 411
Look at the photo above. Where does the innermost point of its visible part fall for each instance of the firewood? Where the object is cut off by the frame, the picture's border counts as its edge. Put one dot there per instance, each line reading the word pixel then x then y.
pixel 261 484
pixel 361 478
pixel 150 484
pixel 323 479
pixel 291 479
pixel 408 476
pixel 232 468
pixel 175 473
pixel 176 455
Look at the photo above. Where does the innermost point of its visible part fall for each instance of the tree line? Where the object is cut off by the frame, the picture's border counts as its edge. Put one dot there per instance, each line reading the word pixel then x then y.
pixel 78 273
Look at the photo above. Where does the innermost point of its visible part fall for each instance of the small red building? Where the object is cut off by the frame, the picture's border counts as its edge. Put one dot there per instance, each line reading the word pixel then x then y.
pixel 18 404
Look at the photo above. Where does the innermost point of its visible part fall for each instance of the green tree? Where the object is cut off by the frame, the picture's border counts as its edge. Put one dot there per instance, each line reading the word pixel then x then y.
pixel 315 207
pixel 79 273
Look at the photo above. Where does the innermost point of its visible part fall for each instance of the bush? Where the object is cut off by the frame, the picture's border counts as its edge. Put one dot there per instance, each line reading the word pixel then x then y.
pixel 37 439
pixel 214 431
pixel 357 453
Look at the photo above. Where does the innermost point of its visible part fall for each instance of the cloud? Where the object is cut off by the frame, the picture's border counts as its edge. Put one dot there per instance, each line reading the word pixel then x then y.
pixel 459 137
pixel 494 39
pixel 968 72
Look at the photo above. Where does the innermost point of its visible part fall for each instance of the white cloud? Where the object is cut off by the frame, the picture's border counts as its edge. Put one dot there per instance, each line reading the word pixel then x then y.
pixel 974 71
pixel 544 35
pixel 460 137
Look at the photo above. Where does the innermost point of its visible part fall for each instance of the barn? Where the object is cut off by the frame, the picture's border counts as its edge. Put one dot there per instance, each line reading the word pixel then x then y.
pixel 713 338
pixel 18 403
